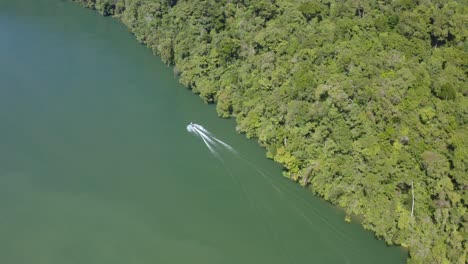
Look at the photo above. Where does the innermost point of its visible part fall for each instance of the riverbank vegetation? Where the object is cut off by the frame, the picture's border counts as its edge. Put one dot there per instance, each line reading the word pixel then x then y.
pixel 363 102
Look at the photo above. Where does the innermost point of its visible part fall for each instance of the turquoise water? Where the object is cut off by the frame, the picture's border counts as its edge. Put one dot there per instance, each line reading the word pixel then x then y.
pixel 96 164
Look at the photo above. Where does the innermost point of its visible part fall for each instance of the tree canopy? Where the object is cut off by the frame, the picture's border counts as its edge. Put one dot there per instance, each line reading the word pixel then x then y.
pixel 363 102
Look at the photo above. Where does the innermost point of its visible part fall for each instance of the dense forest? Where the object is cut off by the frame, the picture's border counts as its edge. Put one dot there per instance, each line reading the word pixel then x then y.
pixel 364 102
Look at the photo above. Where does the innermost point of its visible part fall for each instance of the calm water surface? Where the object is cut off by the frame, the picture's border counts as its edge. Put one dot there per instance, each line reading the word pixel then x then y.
pixel 96 165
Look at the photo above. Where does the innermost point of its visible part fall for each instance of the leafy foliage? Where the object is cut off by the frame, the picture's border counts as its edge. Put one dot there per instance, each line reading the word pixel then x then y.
pixel 360 100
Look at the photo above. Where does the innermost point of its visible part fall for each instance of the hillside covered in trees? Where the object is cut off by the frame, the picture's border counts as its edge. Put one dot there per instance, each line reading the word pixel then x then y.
pixel 363 102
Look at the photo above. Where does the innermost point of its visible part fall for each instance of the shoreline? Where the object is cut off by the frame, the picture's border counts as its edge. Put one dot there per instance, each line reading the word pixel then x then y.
pixel 398 233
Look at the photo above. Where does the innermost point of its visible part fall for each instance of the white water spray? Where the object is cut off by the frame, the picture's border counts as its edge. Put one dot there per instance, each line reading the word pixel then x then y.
pixel 210 141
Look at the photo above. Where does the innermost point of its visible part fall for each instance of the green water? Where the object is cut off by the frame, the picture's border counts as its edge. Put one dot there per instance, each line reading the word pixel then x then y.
pixel 96 165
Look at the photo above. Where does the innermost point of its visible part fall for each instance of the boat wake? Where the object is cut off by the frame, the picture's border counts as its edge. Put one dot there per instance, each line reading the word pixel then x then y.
pixel 283 191
pixel 211 142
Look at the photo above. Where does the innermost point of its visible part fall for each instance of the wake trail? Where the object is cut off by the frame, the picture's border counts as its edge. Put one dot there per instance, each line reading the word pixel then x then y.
pixel 213 144
pixel 290 195
pixel 202 131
